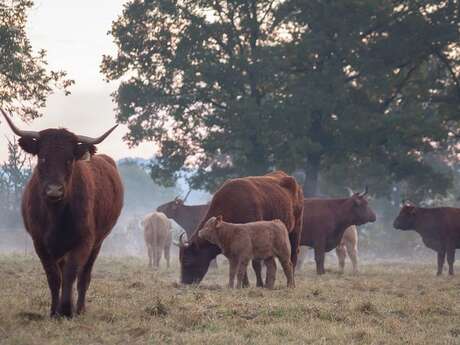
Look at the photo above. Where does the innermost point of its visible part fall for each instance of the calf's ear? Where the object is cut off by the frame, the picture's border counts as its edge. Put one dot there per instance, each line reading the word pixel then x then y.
pixel 219 221
pixel 29 145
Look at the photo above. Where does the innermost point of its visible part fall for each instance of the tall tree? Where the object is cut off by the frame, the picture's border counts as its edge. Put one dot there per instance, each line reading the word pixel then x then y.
pixel 240 87
pixel 25 81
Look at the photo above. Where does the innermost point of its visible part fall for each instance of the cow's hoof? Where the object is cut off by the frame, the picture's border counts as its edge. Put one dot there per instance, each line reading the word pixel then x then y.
pixel 65 310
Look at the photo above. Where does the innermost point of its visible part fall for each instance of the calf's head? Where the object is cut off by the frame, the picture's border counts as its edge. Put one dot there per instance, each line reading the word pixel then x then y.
pixel 406 218
pixel 57 150
pixel 208 231
pixel 359 210
pixel 195 256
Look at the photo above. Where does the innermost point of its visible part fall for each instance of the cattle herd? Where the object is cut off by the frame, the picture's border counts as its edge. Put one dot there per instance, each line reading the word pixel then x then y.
pixel 75 196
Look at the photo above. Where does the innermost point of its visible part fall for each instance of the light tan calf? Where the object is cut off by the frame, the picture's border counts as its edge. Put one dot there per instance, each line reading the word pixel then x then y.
pixel 348 244
pixel 158 237
pixel 241 243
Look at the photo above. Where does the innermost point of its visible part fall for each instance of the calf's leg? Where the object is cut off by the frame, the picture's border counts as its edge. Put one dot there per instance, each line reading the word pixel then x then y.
pixel 167 255
pixel 352 251
pixel 234 263
pixel 243 266
pixel 257 266
pixel 271 273
pixel 84 279
pixel 341 252
pixel 288 271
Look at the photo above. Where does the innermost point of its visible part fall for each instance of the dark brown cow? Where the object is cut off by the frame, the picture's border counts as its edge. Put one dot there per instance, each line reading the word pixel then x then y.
pixel 327 219
pixel 188 217
pixel 69 206
pixel 242 200
pixel 439 228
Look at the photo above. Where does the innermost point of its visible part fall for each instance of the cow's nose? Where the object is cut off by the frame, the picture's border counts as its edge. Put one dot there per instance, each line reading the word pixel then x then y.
pixel 55 190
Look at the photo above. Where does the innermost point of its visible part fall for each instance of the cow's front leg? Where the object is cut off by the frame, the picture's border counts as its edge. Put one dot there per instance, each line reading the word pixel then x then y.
pixel 441 259
pixel 75 262
pixel 53 275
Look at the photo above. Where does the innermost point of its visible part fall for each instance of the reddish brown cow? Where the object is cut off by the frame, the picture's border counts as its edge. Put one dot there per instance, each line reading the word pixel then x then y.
pixel 242 200
pixel 188 217
pixel 439 228
pixel 327 219
pixel 69 206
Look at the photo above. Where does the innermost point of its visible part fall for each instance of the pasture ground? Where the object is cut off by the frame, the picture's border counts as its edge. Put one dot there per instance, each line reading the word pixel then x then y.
pixel 387 303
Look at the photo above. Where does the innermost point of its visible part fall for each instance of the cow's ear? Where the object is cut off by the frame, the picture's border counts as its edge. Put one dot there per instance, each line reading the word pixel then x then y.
pixel 357 201
pixel 219 221
pixel 29 145
pixel 84 151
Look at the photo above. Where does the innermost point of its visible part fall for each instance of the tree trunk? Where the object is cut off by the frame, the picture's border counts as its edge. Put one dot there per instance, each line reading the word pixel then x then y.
pixel 310 184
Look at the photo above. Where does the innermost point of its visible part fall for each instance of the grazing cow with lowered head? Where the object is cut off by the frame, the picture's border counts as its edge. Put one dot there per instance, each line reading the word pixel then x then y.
pixel 327 219
pixel 70 204
pixel 439 228
pixel 187 216
pixel 242 200
pixel 158 237
pixel 263 240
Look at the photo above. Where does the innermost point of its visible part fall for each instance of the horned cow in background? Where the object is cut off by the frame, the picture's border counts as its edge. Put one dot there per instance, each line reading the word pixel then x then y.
pixel 70 204
pixel 327 219
pixel 187 216
pixel 158 237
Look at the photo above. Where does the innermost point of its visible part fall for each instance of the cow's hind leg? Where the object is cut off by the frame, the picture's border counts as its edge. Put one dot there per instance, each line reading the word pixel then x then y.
pixel 441 259
pixel 270 264
pixel 257 266
pixel 75 262
pixel 294 239
pixel 157 256
pixel 451 258
pixel 53 275
pixel 84 279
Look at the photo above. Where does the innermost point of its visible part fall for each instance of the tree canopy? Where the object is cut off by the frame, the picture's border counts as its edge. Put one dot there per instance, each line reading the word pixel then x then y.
pixel 25 81
pixel 344 93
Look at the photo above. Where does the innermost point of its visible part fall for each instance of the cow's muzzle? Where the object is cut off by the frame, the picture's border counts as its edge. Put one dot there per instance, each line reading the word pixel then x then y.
pixel 54 192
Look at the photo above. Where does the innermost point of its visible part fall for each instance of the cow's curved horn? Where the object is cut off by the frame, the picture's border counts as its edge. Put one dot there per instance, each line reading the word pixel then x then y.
pixel 94 141
pixel 181 241
pixel 366 190
pixel 350 191
pixel 17 131
pixel 186 196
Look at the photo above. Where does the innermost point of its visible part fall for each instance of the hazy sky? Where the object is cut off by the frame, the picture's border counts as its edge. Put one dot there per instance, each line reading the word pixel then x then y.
pixel 74 33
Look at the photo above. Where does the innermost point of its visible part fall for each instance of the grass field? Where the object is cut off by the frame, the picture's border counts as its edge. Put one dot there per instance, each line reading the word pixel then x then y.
pixel 386 303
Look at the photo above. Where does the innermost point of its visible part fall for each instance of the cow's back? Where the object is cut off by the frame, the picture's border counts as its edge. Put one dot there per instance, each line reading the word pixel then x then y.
pixel 250 199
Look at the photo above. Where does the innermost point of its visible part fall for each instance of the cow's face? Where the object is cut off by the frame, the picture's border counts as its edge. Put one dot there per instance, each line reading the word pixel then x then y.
pixel 170 209
pixel 406 218
pixel 194 263
pixel 360 211
pixel 209 230
pixel 57 150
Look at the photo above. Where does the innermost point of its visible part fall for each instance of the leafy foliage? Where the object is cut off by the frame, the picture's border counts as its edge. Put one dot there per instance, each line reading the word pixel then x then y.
pixel 14 174
pixel 345 93
pixel 24 78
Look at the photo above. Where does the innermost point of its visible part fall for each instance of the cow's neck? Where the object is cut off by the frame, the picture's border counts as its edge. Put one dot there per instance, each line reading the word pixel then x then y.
pixel 188 218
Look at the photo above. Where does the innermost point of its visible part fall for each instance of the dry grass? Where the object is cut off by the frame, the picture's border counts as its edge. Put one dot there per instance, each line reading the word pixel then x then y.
pixel 129 304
